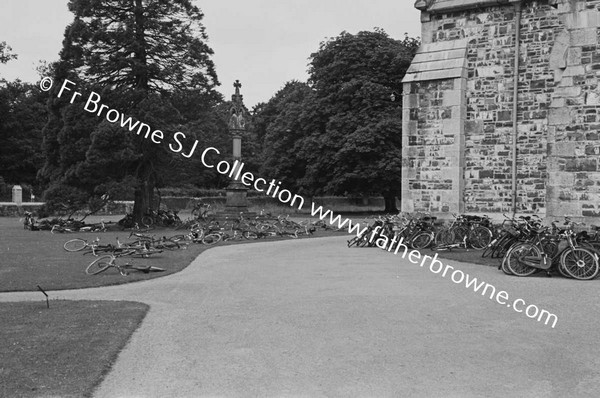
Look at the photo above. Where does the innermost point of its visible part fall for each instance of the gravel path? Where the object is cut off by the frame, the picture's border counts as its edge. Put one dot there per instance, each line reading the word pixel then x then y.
pixel 314 318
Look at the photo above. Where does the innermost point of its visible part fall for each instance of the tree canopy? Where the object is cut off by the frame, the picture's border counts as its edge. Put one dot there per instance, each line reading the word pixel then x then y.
pixel 5 53
pixel 22 117
pixel 340 133
pixel 23 111
pixel 148 60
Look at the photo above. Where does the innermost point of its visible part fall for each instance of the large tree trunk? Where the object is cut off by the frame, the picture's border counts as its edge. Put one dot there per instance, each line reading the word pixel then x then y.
pixel 142 200
pixel 390 203
pixel 144 192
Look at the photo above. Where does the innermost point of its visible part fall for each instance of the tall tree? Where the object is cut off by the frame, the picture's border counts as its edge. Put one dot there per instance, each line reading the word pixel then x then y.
pixel 22 117
pixel 281 125
pixel 342 131
pixel 358 83
pixel 143 57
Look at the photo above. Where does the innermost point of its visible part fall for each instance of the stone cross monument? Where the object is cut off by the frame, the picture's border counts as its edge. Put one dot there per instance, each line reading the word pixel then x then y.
pixel 237 201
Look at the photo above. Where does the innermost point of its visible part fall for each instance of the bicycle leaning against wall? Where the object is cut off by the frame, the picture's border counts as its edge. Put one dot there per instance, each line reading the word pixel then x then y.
pixel 465 231
pixel 567 256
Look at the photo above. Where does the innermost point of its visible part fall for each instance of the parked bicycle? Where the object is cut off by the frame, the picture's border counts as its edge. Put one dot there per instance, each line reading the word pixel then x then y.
pixel 465 232
pixel 567 256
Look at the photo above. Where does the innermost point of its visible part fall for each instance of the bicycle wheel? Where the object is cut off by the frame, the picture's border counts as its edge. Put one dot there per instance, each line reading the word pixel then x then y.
pixel 211 239
pixel 502 246
pixel 100 264
pixel 177 238
pixel 489 249
pixel 147 221
pixel 479 237
pixel 75 245
pixel 561 269
pixel 580 263
pixel 515 259
pixel 422 240
pixel 444 237
pixel 504 267
pixel 460 233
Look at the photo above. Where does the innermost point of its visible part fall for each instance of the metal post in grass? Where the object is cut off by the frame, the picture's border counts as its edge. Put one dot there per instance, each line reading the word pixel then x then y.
pixel 45 294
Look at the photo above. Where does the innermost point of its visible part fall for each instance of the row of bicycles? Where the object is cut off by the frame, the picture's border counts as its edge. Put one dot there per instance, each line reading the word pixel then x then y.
pixel 152 219
pixel 56 225
pixel 422 231
pixel 207 232
pixel 524 245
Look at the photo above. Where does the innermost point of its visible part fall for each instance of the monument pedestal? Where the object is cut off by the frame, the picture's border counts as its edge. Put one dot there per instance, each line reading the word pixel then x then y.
pixel 237 202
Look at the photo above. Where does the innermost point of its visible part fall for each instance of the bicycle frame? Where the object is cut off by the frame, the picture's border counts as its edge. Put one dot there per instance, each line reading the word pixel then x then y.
pixel 543 263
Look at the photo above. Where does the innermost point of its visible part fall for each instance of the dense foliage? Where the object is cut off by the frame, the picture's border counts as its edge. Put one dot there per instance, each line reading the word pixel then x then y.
pixel 340 133
pixel 22 117
pixel 149 61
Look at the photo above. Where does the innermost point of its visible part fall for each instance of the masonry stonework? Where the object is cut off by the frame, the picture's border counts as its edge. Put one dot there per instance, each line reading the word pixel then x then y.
pixel 463 161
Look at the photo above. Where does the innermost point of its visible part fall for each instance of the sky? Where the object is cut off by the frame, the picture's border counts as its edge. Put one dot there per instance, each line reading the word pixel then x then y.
pixel 263 43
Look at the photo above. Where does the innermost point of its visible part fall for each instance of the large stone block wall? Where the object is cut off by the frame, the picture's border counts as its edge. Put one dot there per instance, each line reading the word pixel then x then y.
pixel 432 146
pixel 558 118
pixel 574 114
pixel 489 98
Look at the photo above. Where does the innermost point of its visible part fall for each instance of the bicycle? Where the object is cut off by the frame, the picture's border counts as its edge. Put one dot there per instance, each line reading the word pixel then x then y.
pixel 510 232
pixel 78 244
pixel 570 259
pixel 465 231
pixel 107 261
pixel 200 211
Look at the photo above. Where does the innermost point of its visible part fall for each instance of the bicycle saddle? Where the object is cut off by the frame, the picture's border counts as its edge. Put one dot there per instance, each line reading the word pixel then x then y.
pixel 539 230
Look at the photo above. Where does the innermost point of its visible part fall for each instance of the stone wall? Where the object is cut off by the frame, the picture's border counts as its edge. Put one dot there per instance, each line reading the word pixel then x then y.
pixel 432 146
pixel 574 115
pixel 558 114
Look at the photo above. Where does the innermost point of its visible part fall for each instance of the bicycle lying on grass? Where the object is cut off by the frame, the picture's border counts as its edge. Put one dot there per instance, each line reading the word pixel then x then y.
pixel 137 248
pixel 107 261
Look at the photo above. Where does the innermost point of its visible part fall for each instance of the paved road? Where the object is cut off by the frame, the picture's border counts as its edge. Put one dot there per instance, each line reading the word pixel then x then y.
pixel 314 318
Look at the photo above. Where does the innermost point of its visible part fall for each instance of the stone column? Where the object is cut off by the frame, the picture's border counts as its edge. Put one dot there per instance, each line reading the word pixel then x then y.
pixel 237 201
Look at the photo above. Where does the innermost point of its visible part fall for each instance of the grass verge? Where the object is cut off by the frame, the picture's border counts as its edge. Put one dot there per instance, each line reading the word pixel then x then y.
pixel 63 351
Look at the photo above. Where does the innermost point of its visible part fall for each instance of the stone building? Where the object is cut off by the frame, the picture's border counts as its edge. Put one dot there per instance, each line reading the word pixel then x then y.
pixel 471 106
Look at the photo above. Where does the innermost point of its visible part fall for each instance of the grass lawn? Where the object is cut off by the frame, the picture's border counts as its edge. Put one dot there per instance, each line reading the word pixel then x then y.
pixel 31 258
pixel 63 351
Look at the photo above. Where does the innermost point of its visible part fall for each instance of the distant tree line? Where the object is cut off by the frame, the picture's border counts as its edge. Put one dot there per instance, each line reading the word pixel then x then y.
pixel 339 133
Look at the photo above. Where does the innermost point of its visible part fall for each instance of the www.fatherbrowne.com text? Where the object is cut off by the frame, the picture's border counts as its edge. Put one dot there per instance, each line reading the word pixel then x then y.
pixel 457 276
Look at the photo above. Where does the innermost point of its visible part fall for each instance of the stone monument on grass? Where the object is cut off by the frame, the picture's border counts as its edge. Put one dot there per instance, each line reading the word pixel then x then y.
pixel 237 200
